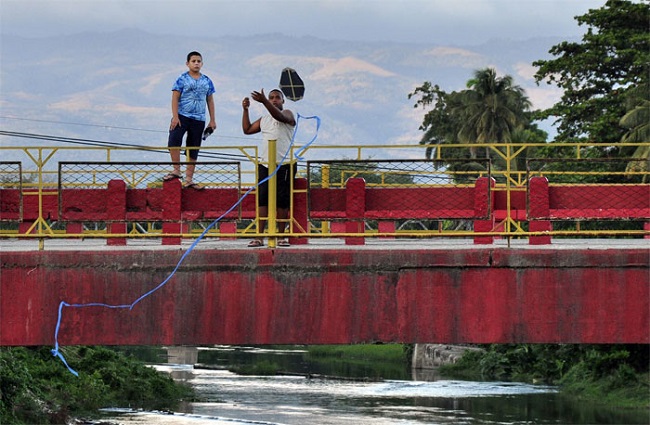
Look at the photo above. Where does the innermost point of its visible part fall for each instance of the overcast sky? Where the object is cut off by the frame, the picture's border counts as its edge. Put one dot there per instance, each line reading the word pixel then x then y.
pixel 431 21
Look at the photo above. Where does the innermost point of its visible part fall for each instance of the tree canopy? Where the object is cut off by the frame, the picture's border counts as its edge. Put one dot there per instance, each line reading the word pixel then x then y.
pixel 491 110
pixel 595 75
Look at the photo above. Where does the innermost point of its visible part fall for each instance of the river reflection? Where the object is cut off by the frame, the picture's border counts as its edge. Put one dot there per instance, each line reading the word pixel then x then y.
pixel 228 398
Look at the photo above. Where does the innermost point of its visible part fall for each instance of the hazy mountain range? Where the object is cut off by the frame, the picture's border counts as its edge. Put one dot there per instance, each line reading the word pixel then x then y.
pixel 116 86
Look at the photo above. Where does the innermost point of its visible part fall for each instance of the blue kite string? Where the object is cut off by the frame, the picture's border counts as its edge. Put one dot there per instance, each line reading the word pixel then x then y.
pixel 55 351
pixel 314 117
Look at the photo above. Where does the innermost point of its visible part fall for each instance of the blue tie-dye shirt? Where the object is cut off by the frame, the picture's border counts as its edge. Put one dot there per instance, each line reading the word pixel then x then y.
pixel 194 94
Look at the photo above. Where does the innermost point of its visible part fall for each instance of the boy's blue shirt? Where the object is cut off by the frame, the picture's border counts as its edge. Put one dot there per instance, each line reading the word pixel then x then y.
pixel 194 93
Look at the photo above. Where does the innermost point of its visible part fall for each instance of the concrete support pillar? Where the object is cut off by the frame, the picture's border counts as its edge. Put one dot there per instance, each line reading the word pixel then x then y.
pixel 386 227
pixel 116 211
pixel 226 228
pixel 539 207
pixel 484 207
pixel 172 211
pixel 355 208
pixel 299 212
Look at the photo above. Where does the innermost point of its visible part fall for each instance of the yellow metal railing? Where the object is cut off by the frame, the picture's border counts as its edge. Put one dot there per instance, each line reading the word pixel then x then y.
pixel 39 179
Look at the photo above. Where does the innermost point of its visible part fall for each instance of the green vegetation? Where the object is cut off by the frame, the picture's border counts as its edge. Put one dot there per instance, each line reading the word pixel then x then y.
pixel 363 352
pixel 377 361
pixel 373 172
pixel 612 374
pixel 492 110
pixel 605 80
pixel 34 388
pixel 597 74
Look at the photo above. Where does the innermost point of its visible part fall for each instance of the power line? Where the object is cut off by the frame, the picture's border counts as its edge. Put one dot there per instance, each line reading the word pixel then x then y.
pixel 107 127
pixel 101 143
pixel 82 124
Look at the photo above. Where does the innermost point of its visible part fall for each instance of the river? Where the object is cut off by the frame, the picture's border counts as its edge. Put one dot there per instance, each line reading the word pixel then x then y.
pixel 321 399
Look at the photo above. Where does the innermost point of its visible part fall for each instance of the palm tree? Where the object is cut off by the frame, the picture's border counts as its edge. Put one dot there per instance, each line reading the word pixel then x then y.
pixel 637 121
pixel 491 109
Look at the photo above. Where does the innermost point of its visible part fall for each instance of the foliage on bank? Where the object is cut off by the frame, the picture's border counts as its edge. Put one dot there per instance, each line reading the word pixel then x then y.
pixel 371 361
pixel 36 388
pixel 372 352
pixel 613 374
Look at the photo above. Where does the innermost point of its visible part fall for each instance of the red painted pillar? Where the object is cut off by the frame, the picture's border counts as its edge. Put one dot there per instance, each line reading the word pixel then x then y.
pixel 24 226
pixel 74 228
pixel 386 227
pixel 227 228
pixel 539 207
pixel 299 212
pixel 484 207
pixel 337 227
pixel 172 211
pixel 355 209
pixel 116 211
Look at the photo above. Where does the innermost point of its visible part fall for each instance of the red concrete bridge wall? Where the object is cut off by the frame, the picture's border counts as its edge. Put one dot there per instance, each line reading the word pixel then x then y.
pixel 326 296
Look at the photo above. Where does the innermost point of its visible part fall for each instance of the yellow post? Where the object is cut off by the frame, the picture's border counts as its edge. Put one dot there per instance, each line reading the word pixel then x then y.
pixel 272 208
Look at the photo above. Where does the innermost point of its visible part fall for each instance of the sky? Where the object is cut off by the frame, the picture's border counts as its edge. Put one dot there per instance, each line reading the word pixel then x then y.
pixel 461 22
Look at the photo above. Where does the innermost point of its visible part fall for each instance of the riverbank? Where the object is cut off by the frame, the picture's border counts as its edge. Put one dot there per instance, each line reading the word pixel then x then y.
pixel 35 388
pixel 613 375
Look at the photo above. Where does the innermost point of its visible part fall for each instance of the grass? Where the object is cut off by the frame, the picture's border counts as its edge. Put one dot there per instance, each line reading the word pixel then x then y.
pixel 366 352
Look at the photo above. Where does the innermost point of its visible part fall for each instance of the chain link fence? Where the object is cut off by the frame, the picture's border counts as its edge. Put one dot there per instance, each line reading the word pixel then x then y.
pixel 576 188
pixel 141 175
pixel 11 199
pixel 416 194
pixel 145 199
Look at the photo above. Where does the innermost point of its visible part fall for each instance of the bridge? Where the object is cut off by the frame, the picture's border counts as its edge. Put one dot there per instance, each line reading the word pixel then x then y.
pixel 107 254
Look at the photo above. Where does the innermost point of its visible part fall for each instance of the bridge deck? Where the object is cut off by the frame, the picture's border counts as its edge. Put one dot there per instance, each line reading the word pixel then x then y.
pixel 391 290
pixel 435 243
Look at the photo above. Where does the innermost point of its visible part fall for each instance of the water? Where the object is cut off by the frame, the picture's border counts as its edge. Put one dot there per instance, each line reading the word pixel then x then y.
pixel 228 398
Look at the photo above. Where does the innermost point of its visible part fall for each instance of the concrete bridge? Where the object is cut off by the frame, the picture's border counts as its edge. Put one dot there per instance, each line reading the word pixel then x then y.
pixel 353 274
pixel 325 292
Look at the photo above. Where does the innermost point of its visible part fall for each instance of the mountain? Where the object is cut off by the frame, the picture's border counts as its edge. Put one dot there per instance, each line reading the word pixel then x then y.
pixel 116 86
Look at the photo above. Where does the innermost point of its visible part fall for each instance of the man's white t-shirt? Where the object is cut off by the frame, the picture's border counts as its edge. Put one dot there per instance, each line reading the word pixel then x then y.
pixel 281 132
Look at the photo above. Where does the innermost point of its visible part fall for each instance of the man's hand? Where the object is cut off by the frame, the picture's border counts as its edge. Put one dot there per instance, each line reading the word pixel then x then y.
pixel 259 96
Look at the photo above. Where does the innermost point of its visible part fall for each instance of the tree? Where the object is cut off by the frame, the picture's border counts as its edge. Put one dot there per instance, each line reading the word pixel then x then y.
pixel 438 125
pixel 637 123
pixel 595 75
pixel 491 109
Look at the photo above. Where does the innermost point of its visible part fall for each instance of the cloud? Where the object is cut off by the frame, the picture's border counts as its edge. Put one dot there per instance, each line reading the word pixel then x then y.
pixel 432 21
pixel 544 98
pixel 525 71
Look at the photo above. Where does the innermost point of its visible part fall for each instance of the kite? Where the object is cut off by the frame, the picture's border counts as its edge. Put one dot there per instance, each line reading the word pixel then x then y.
pixel 291 84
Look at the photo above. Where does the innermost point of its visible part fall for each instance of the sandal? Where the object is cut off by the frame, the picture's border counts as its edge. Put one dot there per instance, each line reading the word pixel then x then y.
pixel 193 186
pixel 283 242
pixel 171 176
pixel 255 243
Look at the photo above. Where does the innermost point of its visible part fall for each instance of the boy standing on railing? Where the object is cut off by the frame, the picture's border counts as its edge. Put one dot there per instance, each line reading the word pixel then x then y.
pixel 278 125
pixel 191 92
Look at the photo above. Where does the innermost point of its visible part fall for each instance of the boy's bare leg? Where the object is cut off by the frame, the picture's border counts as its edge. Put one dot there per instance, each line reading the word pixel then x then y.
pixel 283 214
pixel 263 214
pixel 189 171
pixel 176 159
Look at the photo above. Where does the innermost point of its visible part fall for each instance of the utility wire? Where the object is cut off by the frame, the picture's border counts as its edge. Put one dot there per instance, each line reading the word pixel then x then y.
pixel 101 143
pixel 108 127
